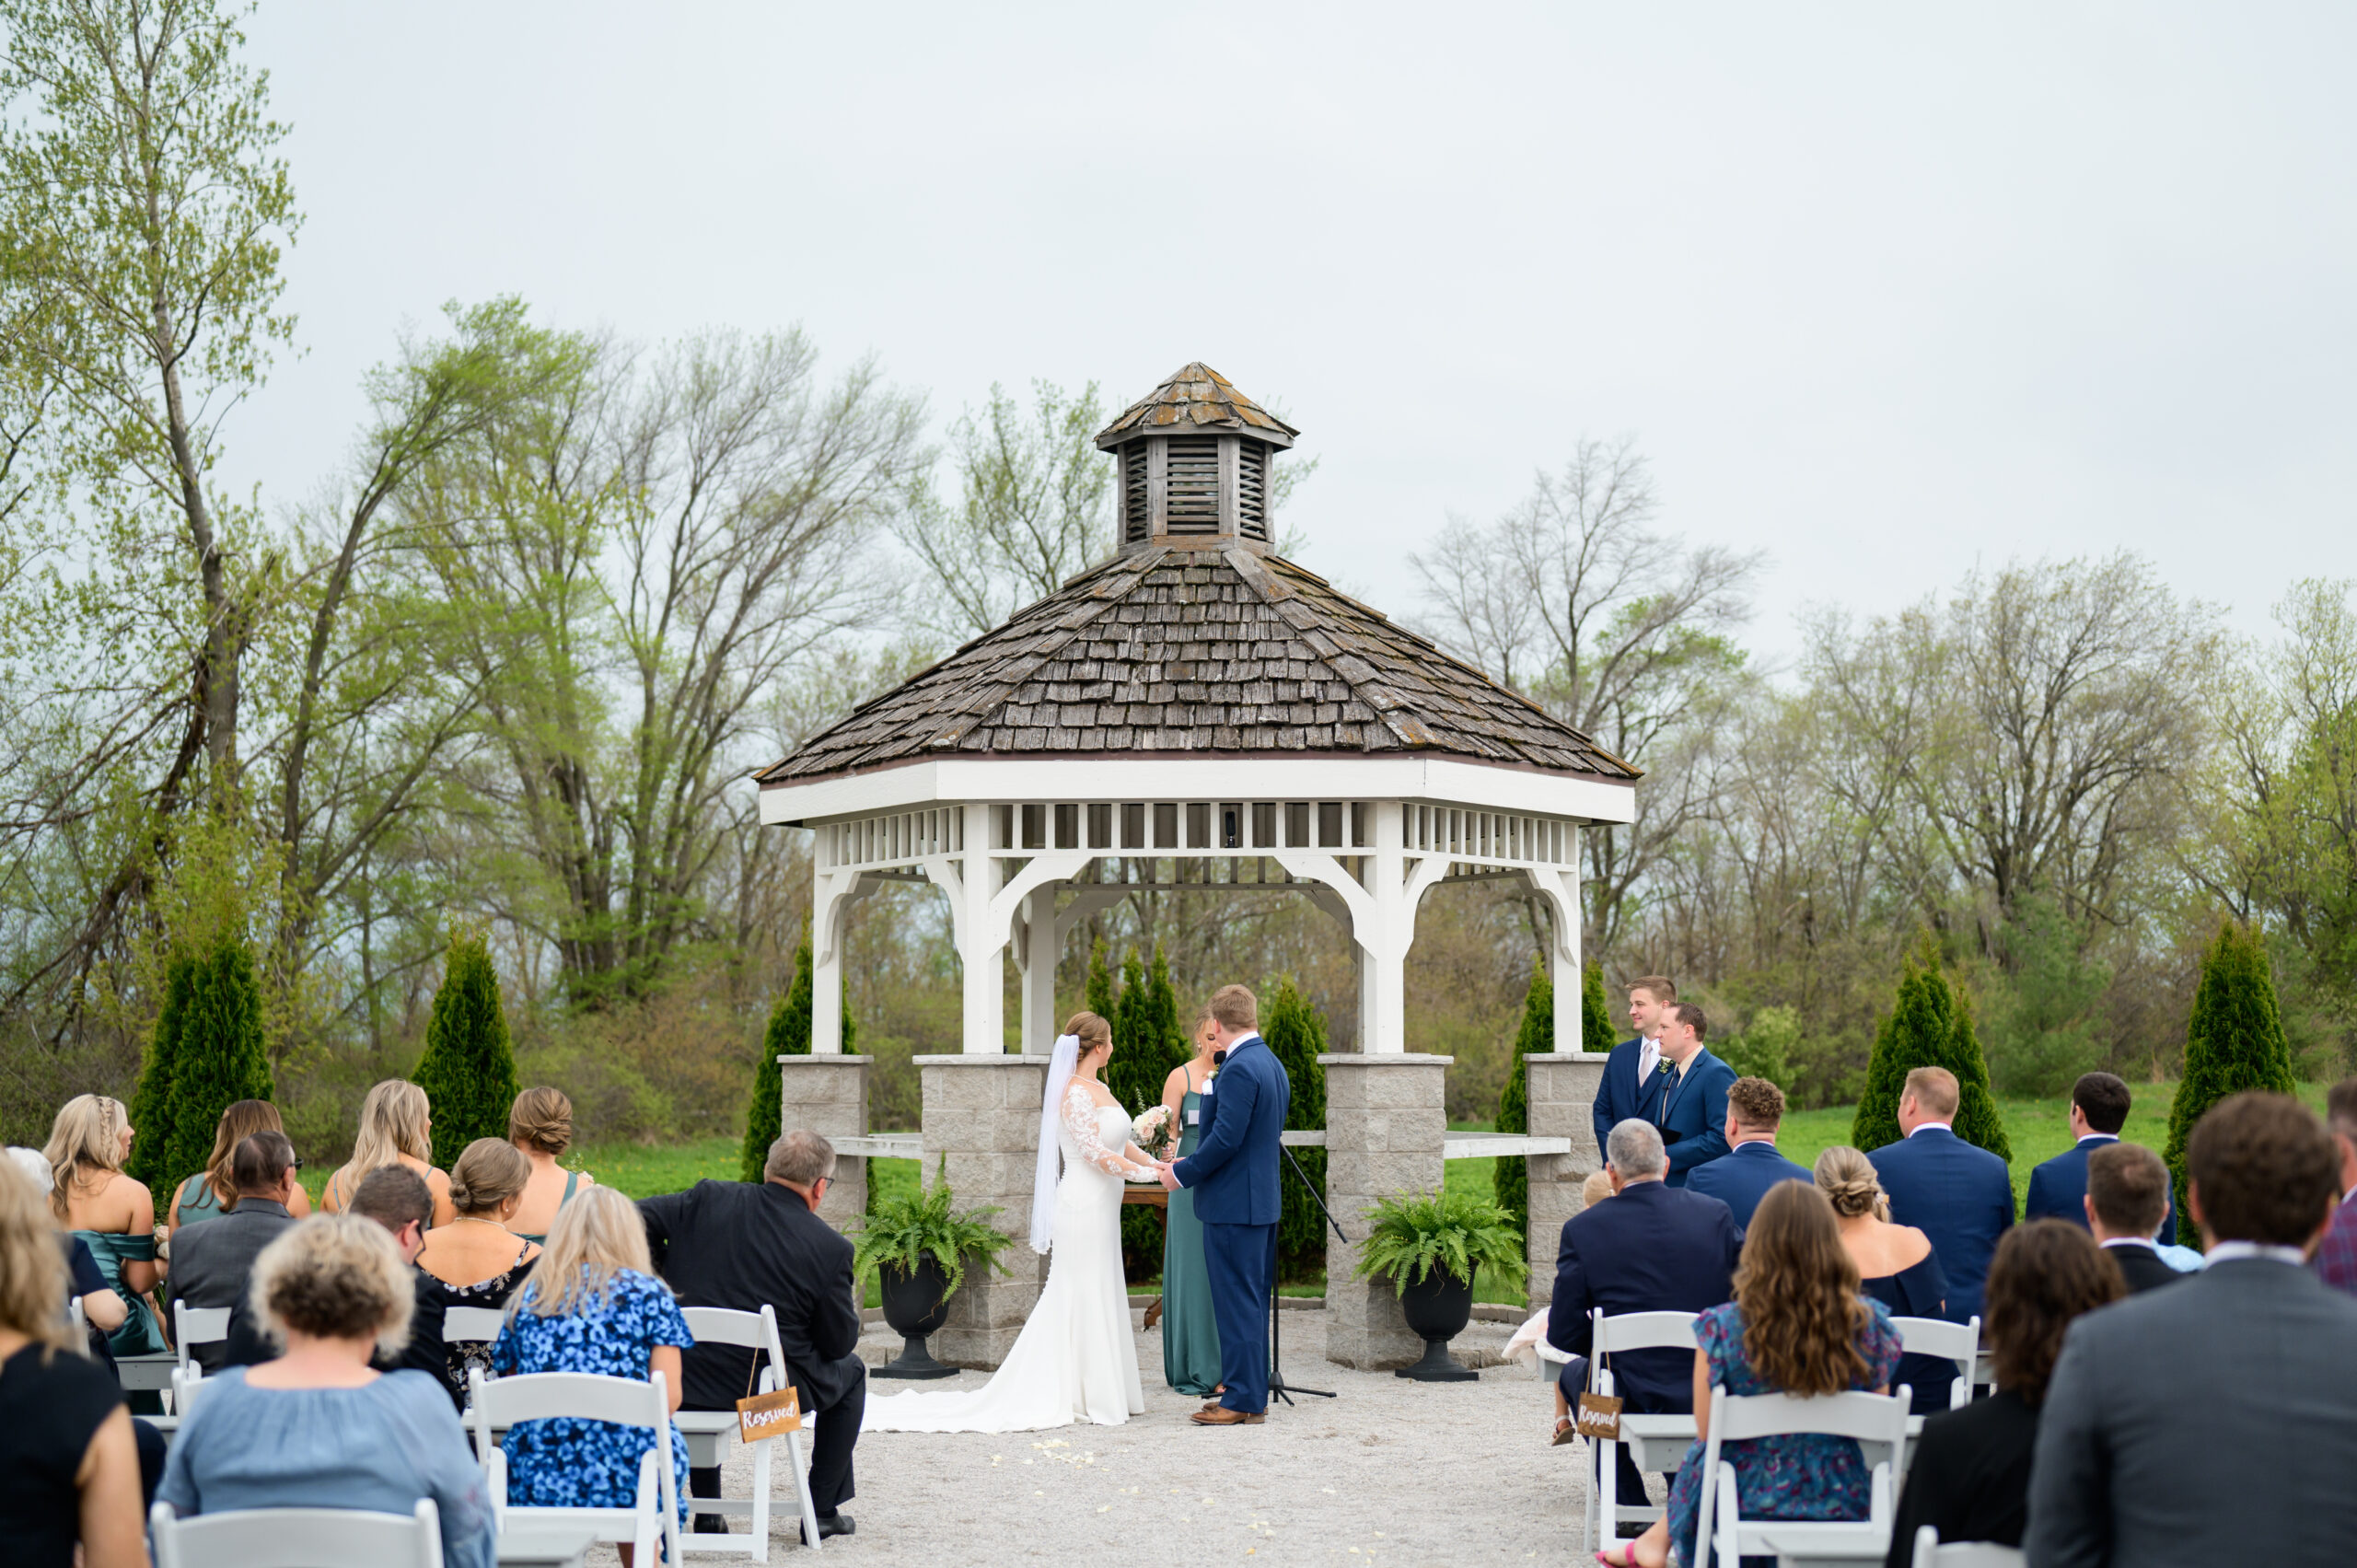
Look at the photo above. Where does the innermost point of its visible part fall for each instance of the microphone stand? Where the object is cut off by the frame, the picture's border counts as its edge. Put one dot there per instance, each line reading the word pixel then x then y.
pixel 1277 1385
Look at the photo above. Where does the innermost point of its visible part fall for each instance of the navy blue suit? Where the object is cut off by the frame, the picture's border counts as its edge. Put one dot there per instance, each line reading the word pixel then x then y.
pixel 1691 1113
pixel 1741 1177
pixel 1619 1096
pixel 2057 1188
pixel 1961 1197
pixel 1233 1174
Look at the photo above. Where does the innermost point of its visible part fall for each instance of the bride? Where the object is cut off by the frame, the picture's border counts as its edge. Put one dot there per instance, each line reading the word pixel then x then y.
pixel 1075 1359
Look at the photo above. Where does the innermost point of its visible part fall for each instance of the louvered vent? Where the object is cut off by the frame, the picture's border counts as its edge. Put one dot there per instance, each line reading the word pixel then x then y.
pixel 1193 480
pixel 1252 490
pixel 1135 504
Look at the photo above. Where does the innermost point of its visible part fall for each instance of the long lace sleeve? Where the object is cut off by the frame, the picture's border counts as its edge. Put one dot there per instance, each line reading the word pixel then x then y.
pixel 1080 1121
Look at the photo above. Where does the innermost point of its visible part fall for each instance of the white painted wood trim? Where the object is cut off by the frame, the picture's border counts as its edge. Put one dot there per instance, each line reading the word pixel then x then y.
pixel 1488 1145
pixel 883 1146
pixel 1302 1138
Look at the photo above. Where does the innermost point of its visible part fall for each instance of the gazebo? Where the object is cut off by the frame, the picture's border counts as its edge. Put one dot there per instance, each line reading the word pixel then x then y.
pixel 1195 713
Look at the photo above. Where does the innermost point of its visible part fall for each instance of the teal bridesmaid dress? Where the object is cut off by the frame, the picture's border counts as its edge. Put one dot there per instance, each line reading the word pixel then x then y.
pixel 1190 1334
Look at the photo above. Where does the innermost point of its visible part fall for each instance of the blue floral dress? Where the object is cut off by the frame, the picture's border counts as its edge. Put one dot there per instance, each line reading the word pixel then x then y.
pixel 565 1463
pixel 1804 1476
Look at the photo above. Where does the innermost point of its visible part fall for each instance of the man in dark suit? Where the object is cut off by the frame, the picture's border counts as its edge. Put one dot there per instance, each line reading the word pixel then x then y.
pixel 2215 1421
pixel 1635 1064
pixel 2127 1188
pixel 1741 1177
pixel 1690 1101
pixel 2058 1186
pixel 1961 1197
pixel 1651 1248
pixel 2335 1260
pixel 742 1244
pixel 212 1262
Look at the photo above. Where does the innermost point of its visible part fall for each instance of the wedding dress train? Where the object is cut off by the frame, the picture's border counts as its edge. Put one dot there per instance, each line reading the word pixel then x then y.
pixel 1076 1359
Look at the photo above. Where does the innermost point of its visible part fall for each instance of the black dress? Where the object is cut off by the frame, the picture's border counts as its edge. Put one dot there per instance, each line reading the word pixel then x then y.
pixel 48 1414
pixel 1920 1290
pixel 1969 1476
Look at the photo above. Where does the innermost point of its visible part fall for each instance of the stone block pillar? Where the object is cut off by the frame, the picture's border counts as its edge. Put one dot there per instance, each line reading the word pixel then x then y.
pixel 1563 1087
pixel 981 1114
pixel 1385 1119
pixel 827 1095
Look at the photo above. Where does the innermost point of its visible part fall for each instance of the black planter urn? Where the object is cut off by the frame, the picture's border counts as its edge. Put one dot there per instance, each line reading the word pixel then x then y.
pixel 1438 1308
pixel 914 1307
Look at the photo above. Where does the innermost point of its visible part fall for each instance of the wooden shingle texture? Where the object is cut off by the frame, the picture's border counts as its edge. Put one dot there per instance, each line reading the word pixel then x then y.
pixel 1202 651
pixel 1196 397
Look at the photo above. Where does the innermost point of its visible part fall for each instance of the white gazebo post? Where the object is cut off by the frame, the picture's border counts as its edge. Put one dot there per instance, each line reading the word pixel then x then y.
pixel 1560 1085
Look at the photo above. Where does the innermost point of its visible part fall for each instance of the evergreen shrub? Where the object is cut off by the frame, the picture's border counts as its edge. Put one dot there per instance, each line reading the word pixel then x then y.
pixel 219 1058
pixel 2234 1041
pixel 1930 1025
pixel 788 1034
pixel 1295 1031
pixel 468 1071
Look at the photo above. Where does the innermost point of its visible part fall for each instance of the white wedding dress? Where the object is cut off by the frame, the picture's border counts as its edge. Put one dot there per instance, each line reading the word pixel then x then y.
pixel 1076 1359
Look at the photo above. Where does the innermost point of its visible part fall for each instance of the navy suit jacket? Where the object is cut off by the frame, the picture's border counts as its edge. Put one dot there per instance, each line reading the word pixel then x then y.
pixel 1619 1096
pixel 1652 1248
pixel 1233 1171
pixel 1741 1177
pixel 1961 1197
pixel 2059 1186
pixel 1692 1113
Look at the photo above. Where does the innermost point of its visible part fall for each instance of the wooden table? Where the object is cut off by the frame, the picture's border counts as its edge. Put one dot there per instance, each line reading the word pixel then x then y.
pixel 1145 1197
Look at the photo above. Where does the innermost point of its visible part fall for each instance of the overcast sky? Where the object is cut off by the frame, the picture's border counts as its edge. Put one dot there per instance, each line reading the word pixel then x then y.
pixel 1882 293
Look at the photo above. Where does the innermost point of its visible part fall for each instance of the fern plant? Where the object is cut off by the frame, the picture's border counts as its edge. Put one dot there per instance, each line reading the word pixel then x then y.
pixel 898 1233
pixel 1461 1234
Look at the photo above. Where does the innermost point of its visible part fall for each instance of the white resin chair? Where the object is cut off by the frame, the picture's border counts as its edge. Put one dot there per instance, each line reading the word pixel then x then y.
pixel 1630 1331
pixel 193 1326
pixel 710 1435
pixel 188 1382
pixel 471 1323
pixel 1929 1553
pixel 298 1537
pixel 500 1403
pixel 1959 1342
pixel 1867 1418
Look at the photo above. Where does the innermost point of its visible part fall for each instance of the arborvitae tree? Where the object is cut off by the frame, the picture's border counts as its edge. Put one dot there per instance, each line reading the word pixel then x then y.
pixel 1296 1032
pixel 1597 1032
pixel 151 1102
pixel 1100 982
pixel 1162 1015
pixel 2234 1041
pixel 1930 1025
pixel 468 1071
pixel 788 1035
pixel 1511 1180
pixel 219 1058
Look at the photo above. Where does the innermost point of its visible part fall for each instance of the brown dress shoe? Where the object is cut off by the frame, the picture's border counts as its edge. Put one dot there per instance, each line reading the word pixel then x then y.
pixel 1220 1415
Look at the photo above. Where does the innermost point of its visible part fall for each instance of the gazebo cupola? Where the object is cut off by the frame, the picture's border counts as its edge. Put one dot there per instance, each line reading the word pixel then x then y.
pixel 1193 457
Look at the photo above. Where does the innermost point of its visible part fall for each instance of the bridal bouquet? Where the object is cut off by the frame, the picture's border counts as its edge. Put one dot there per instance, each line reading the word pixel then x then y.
pixel 1154 1130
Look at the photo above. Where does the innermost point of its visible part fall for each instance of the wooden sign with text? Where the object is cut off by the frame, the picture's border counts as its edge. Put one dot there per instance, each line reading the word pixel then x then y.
pixel 768 1415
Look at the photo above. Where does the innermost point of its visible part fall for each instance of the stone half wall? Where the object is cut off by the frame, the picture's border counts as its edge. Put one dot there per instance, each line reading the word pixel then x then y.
pixel 1562 1088
pixel 981 1114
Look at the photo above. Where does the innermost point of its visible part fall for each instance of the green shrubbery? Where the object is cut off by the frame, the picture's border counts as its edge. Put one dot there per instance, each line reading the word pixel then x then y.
pixel 2233 1042
pixel 468 1071
pixel 1930 1025
pixel 1296 1033
pixel 788 1035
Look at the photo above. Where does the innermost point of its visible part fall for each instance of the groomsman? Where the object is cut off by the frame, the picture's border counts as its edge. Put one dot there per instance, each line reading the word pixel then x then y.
pixel 1742 1176
pixel 1689 1101
pixel 1635 1064
pixel 1959 1196
pixel 2057 1187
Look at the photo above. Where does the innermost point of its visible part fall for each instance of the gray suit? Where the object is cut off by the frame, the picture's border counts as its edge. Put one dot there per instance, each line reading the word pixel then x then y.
pixel 212 1261
pixel 2213 1422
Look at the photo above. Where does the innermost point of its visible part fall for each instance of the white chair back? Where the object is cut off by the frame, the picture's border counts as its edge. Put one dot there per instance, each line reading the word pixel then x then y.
pixel 1608 1337
pixel 585 1396
pixel 726 1325
pixel 298 1537
pixel 188 1382
pixel 1959 1342
pixel 1868 1418
pixel 471 1322
pixel 1929 1553
pixel 754 1331
pixel 81 1320
pixel 197 1326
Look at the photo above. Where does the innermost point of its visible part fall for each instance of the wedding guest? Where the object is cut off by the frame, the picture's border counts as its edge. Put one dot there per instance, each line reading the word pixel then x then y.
pixel 1969 1474
pixel 69 1464
pixel 1632 1072
pixel 1594 1190
pixel 1689 1106
pixel 1896 1264
pixel 2057 1187
pixel 212 1191
pixel 478 1259
pixel 319 1426
pixel 1190 1331
pixel 1652 1248
pixel 740 1245
pixel 1797 1325
pixel 1960 1196
pixel 593 1305
pixel 102 1310
pixel 2128 1189
pixel 2336 1261
pixel 113 1213
pixel 214 1260
pixel 1741 1177
pixel 2215 1421
pixel 396 1127
pixel 540 1126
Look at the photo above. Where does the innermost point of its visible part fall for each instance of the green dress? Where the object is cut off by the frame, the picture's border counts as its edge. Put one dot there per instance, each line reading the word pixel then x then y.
pixel 1189 1333
pixel 139 1335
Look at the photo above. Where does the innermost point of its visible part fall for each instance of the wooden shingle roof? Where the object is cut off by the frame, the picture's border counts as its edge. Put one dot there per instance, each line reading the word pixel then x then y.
pixel 1197 651
pixel 1196 397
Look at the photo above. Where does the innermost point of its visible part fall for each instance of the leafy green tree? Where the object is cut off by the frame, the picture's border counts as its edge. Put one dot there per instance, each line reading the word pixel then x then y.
pixel 788 1035
pixel 1597 1031
pixel 1511 1181
pixel 1296 1032
pixel 151 1103
pixel 468 1071
pixel 2041 1034
pixel 1929 1026
pixel 1764 1050
pixel 220 1058
pixel 2234 1041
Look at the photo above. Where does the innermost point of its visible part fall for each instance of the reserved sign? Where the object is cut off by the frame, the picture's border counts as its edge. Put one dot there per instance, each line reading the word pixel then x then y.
pixel 766 1415
pixel 1599 1417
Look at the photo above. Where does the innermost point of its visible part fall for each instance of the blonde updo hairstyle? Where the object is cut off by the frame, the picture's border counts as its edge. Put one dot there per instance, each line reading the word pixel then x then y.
pixel 1095 1033
pixel 85 1147
pixel 334 1277
pixel 1848 1178
pixel 542 1117
pixel 487 1173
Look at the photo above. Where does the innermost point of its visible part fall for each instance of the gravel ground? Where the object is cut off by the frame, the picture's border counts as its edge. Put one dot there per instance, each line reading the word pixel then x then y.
pixel 1388 1471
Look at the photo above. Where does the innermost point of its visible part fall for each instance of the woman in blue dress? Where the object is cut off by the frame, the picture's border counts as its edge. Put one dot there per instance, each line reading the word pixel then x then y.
pixel 1797 1325
pixel 592 1305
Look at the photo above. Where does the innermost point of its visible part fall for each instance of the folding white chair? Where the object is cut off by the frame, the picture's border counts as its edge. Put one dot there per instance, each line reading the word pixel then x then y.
pixel 471 1323
pixel 298 1537
pixel 197 1326
pixel 1959 1342
pixel 716 1429
pixel 1929 1553
pixel 1629 1331
pixel 188 1382
pixel 1867 1418
pixel 81 1320
pixel 585 1396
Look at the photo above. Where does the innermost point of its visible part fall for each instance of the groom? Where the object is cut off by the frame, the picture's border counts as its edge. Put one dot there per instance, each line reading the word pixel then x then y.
pixel 1233 1174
